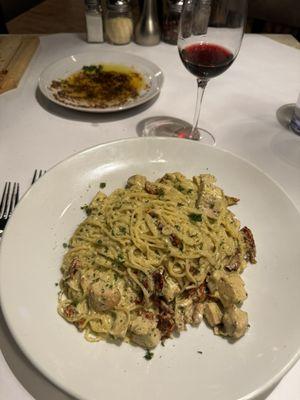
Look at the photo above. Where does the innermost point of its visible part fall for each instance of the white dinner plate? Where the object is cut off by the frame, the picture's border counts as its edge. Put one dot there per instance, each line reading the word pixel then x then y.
pixel 63 68
pixel 195 365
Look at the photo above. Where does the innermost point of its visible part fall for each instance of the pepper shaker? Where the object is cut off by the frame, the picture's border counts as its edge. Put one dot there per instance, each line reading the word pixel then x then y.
pixel 94 24
pixel 147 32
pixel 171 21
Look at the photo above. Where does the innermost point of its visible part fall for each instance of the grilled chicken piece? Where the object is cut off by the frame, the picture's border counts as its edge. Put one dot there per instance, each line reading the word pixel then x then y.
pixel 172 178
pixel 142 326
pixel 153 188
pixel 231 289
pixel 235 322
pixel 228 287
pixel 197 316
pixel 170 289
pixel 137 181
pixel 120 325
pixel 212 314
pixel 210 196
pixel 148 341
pixel 102 297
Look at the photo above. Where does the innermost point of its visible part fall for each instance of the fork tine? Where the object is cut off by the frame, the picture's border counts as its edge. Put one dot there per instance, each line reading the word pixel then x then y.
pixel 13 199
pixel 4 195
pixel 37 175
pixel 17 194
pixel 34 176
pixel 6 201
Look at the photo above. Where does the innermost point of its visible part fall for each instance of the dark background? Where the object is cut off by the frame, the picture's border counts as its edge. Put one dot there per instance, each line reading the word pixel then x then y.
pixel 264 16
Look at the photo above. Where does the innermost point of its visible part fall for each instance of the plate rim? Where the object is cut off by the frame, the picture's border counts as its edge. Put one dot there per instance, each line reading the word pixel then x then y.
pixel 268 385
pixel 107 110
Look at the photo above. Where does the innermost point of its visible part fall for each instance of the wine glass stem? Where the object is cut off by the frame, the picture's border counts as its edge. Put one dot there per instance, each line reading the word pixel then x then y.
pixel 195 132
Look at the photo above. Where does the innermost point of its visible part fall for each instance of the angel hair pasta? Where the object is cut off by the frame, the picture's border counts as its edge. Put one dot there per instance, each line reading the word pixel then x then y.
pixel 154 257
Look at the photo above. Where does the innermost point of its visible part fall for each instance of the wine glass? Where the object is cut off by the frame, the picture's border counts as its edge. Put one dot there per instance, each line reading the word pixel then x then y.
pixel 210 36
pixel 209 39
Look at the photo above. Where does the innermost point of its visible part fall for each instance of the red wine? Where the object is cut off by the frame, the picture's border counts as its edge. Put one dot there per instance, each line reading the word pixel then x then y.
pixel 206 60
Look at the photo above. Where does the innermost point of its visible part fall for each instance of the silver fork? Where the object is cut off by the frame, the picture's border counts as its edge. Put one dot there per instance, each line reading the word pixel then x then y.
pixel 37 175
pixel 9 201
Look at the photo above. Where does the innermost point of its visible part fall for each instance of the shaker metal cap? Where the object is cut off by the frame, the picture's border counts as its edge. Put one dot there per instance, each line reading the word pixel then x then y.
pixel 118 5
pixel 176 5
pixel 92 4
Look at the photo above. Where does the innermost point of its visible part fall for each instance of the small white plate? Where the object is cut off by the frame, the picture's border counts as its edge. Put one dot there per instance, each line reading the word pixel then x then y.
pixel 65 67
pixel 31 255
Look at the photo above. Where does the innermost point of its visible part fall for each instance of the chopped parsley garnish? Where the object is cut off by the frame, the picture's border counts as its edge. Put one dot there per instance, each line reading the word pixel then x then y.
pixel 119 260
pixel 160 192
pixel 91 69
pixel 149 355
pixel 180 188
pixel 56 284
pixel 65 245
pixel 195 217
pixel 122 230
pixel 102 185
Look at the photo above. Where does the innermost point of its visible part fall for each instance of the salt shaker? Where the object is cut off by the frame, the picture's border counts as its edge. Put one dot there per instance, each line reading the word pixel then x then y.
pixel 295 121
pixel 118 22
pixel 147 32
pixel 94 24
pixel 171 21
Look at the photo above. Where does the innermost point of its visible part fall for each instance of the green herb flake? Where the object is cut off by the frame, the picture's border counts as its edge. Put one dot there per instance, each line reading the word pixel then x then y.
pixel 122 230
pixel 102 185
pixel 160 192
pixel 65 245
pixel 180 188
pixel 92 69
pixel 56 284
pixel 119 260
pixel 195 217
pixel 149 355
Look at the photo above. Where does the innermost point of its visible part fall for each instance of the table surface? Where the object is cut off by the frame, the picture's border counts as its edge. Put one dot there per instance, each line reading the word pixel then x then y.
pixel 239 107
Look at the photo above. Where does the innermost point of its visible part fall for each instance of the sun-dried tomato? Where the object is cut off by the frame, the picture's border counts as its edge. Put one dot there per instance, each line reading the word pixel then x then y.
pixel 158 281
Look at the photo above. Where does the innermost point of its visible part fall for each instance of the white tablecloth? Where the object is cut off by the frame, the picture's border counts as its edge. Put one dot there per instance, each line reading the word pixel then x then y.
pixel 239 108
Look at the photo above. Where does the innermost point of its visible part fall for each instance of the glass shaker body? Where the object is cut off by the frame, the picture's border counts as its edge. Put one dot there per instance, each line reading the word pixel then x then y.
pixel 171 21
pixel 93 18
pixel 118 23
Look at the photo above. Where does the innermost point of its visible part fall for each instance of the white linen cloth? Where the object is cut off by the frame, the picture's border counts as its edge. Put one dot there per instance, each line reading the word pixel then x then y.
pixel 239 108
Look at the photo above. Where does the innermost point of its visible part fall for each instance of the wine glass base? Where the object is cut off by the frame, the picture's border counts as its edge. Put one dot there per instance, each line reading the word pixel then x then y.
pixel 284 114
pixel 172 127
